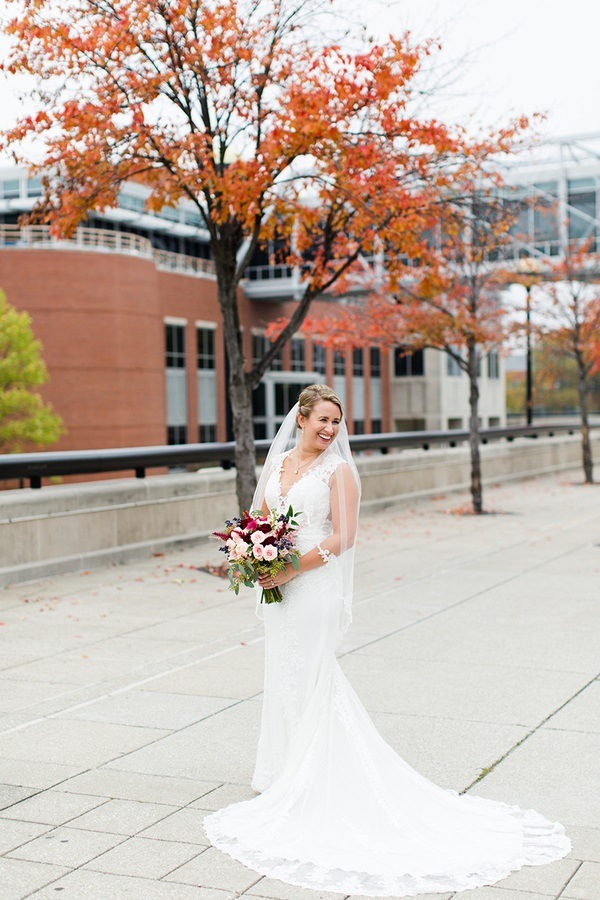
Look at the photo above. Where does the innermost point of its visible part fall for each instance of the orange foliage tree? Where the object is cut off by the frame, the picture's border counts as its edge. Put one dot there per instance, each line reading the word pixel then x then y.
pixel 449 299
pixel 234 105
pixel 571 326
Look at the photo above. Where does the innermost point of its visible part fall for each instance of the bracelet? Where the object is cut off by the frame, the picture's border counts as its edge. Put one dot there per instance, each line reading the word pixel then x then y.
pixel 325 555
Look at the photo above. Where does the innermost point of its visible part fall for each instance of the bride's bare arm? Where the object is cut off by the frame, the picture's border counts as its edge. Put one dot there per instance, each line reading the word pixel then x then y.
pixel 344 520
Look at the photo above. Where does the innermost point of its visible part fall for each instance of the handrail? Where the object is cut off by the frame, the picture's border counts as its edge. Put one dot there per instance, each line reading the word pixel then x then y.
pixel 82 238
pixel 35 466
pixel 179 262
pixel 104 240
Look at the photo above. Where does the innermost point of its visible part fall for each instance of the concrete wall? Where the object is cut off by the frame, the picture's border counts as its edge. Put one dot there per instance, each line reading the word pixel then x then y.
pixel 72 527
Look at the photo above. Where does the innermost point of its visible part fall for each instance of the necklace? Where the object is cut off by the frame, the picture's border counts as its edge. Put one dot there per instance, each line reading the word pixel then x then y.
pixel 298 466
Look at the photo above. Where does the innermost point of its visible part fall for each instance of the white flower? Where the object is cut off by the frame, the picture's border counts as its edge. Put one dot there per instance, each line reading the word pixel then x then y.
pixel 270 552
pixel 258 551
pixel 258 537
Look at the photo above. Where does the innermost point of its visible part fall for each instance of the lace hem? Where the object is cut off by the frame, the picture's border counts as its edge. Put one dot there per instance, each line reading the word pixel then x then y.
pixel 543 842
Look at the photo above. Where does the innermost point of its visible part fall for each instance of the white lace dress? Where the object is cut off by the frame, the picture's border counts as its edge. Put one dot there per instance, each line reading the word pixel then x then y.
pixel 339 810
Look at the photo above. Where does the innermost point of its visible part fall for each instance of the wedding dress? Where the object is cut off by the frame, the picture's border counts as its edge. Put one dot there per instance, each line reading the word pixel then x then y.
pixel 339 810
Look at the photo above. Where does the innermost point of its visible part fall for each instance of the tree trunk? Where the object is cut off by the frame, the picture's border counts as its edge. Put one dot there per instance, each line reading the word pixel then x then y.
pixel 239 389
pixel 474 438
pixel 586 447
pixel 240 396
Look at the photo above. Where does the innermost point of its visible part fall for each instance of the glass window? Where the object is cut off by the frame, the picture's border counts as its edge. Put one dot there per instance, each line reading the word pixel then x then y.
pixel 339 363
pixel 34 187
pixel 358 367
pixel 11 189
pixel 259 410
pixel 260 345
pixel 582 209
pixel 175 346
pixel 297 354
pixel 319 359
pixel 176 434
pixel 286 394
pixel 545 221
pixel 170 213
pixel 206 348
pixel 359 426
pixel 407 365
pixel 452 367
pixel 580 184
pixel 207 433
pixel 129 201
pixel 375 357
pixel 547 187
pixel 192 218
pixel 493 364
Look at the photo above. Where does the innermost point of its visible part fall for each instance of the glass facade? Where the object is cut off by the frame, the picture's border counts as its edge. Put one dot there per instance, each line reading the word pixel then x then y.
pixel 583 210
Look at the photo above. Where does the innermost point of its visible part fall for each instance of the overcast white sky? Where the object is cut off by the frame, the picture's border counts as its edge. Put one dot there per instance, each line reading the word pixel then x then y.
pixel 515 56
pixel 522 56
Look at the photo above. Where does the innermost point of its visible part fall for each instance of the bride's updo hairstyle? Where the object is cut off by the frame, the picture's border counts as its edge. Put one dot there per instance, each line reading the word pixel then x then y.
pixel 313 394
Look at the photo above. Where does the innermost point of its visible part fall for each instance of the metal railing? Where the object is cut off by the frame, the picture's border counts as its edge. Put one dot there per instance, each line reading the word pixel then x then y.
pixel 104 240
pixel 35 466
pixel 179 262
pixel 83 239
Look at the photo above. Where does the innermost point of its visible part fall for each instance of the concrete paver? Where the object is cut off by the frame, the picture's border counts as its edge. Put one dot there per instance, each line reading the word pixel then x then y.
pixel 184 826
pixel 584 883
pixel 83 884
pixel 135 786
pixel 214 869
pixel 126 817
pixel 15 834
pixel 52 807
pixel 66 846
pixel 144 857
pixel 130 697
pixel 20 879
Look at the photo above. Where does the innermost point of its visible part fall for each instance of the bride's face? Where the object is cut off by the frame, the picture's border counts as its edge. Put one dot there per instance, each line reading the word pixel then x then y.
pixel 320 428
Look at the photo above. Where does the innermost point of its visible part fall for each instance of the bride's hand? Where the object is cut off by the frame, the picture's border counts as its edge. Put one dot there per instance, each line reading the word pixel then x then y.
pixel 271 581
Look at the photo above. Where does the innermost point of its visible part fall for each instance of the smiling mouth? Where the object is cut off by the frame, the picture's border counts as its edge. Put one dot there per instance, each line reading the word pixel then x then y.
pixel 325 437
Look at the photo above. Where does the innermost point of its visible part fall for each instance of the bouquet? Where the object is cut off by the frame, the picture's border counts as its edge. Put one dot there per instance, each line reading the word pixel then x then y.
pixel 255 545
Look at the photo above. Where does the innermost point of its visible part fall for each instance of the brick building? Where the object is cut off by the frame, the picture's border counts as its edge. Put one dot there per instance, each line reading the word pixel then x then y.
pixel 128 316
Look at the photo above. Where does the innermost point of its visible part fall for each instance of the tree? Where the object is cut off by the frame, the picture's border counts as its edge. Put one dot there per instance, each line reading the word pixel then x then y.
pixel 24 417
pixel 572 326
pixel 235 105
pixel 449 299
pixel 556 384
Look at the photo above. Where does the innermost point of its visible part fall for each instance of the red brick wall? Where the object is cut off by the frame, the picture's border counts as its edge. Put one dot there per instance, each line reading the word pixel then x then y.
pixel 100 318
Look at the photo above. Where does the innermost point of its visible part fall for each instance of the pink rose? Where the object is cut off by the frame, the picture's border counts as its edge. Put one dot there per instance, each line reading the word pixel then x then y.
pixel 258 537
pixel 269 552
pixel 258 551
pixel 238 551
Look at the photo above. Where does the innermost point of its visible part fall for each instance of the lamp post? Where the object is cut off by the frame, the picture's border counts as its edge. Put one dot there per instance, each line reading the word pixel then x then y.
pixel 530 270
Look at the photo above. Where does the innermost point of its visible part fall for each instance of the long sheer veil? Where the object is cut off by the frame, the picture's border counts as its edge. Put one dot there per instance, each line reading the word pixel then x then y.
pixel 345 497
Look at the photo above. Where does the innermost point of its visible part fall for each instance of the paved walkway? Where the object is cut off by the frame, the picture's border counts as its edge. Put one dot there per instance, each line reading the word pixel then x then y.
pixel 130 697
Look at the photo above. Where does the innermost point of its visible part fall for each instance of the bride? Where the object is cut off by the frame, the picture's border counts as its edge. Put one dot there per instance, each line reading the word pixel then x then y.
pixel 338 810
